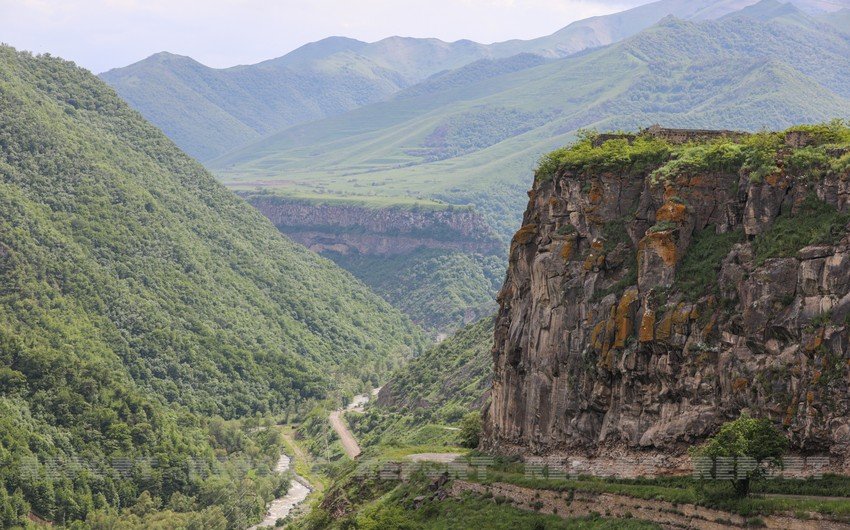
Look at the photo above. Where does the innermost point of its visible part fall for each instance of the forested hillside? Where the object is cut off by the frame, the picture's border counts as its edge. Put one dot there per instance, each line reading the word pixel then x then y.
pixel 139 296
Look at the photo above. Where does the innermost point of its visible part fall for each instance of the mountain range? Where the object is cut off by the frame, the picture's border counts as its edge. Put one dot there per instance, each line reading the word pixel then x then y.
pixel 470 140
pixel 463 123
pixel 209 111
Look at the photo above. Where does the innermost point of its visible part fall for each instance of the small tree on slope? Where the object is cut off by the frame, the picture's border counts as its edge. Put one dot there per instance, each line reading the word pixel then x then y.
pixel 751 447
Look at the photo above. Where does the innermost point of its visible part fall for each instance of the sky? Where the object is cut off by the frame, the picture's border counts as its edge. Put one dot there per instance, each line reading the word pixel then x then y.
pixel 104 34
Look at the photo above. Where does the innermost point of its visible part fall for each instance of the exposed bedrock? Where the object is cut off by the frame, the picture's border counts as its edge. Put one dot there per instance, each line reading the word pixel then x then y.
pixel 598 345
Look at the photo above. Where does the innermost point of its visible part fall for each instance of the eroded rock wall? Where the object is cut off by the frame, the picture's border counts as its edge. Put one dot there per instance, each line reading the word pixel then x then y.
pixel 596 346
pixel 346 229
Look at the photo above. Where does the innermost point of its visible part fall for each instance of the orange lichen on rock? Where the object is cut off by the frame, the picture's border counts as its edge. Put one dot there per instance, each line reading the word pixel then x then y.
pixel 682 314
pixel 672 212
pixel 623 317
pixel 662 244
pixel 593 261
pixel 525 234
pixel 773 178
pixel 595 193
pixel 665 328
pixel 597 336
pixel 697 181
pixel 647 326
pixel 789 416
pixel 568 249
pixel 815 342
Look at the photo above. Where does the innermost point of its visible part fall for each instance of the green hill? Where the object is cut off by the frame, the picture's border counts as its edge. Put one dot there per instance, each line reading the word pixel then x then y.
pixel 208 111
pixel 139 296
pixel 760 68
pixel 425 401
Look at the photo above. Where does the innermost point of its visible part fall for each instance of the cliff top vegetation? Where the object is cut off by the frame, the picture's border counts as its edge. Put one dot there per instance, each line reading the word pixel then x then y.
pixel 665 154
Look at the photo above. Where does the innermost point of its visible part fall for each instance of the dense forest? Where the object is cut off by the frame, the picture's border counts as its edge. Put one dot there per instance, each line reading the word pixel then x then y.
pixel 142 303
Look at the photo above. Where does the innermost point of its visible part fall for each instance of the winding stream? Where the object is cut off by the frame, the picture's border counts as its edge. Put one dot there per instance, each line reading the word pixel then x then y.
pixel 282 506
pixel 299 489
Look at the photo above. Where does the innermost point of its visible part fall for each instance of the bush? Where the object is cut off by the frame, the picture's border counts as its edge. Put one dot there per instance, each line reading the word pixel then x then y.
pixel 470 430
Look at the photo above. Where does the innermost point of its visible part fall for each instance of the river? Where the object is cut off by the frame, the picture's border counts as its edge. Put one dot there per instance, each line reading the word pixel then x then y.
pixel 282 506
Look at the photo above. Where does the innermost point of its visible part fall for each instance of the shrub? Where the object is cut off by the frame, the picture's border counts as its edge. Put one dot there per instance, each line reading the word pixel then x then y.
pixel 751 438
pixel 470 430
pixel 616 155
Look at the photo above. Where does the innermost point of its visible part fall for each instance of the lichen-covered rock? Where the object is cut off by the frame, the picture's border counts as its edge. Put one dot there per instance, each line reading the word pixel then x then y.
pixel 598 345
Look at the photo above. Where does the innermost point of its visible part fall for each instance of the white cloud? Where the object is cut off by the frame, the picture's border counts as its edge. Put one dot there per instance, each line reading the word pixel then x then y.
pixel 102 34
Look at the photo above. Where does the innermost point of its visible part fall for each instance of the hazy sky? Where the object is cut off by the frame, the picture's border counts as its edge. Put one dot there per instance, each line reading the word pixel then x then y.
pixel 103 34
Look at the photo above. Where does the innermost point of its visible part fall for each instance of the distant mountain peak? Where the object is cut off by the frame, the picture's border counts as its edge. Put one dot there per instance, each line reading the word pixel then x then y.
pixel 767 10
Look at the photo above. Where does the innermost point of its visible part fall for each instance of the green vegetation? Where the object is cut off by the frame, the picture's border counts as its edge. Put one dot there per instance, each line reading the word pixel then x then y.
pixel 756 155
pixel 813 223
pixel 718 156
pixel 754 438
pixel 380 504
pixel 686 490
pixel 698 269
pixel 440 290
pixel 426 401
pixel 470 429
pixel 140 300
pixel 710 74
pixel 620 155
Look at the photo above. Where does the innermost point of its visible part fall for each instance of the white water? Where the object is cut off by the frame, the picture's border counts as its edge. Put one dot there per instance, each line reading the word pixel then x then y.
pixel 282 506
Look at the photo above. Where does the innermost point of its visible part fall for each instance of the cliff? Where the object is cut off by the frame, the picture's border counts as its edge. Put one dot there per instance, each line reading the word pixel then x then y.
pixel 441 265
pixel 658 289
pixel 351 228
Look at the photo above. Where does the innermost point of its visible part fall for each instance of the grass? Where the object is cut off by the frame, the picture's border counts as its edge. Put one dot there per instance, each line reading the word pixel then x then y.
pixel 330 198
pixel 697 272
pixel 381 504
pixel 472 512
pixel 684 490
pixel 815 223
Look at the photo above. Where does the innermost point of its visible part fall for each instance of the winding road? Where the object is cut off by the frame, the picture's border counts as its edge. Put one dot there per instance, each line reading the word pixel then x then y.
pixel 337 420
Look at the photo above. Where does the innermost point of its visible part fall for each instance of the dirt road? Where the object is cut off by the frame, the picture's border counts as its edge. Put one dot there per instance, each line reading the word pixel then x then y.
pixel 337 420
pixel 349 443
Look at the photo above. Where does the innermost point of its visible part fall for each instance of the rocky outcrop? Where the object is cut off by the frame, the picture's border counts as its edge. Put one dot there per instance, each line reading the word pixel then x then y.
pixel 598 344
pixel 348 228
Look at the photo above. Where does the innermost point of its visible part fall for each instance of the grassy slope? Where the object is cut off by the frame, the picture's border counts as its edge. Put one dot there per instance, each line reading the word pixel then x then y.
pixel 738 73
pixel 138 293
pixel 424 401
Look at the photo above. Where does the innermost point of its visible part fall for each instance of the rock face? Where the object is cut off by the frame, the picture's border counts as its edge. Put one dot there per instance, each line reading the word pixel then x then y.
pixel 346 229
pixel 597 344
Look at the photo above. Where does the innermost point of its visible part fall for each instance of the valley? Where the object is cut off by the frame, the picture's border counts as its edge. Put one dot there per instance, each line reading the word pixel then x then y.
pixel 594 279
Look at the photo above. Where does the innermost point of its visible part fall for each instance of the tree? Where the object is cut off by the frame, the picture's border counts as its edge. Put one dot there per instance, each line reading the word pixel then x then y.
pixel 743 451
pixel 470 430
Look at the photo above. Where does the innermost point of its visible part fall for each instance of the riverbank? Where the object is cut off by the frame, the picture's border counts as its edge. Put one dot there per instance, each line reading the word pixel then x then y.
pixel 297 493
